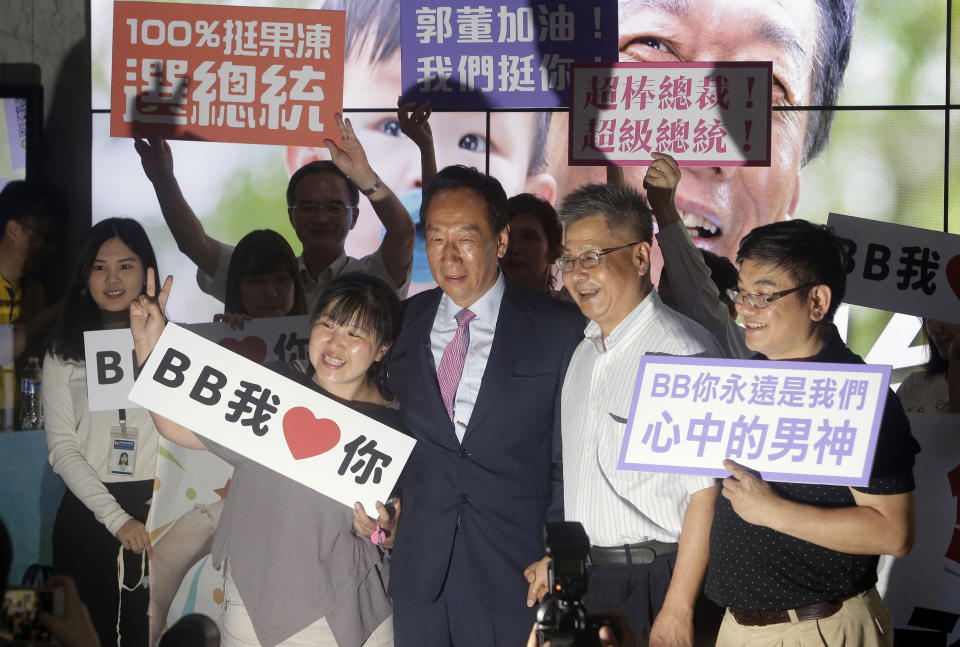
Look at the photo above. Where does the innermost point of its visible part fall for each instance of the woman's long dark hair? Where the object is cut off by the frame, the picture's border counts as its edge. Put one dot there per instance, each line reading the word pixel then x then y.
pixel 80 312
pixel 368 303
pixel 263 251
pixel 937 363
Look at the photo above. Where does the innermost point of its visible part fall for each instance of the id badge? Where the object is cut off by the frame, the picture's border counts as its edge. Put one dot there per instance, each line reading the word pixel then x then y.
pixel 123 450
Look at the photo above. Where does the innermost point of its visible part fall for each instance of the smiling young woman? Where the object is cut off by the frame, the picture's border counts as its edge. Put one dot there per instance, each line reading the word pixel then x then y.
pixel 107 495
pixel 271 598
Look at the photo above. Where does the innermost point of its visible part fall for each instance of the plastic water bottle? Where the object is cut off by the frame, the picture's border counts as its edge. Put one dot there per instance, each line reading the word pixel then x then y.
pixel 31 396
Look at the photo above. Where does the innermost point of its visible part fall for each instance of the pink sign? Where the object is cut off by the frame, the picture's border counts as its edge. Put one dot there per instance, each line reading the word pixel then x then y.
pixel 701 113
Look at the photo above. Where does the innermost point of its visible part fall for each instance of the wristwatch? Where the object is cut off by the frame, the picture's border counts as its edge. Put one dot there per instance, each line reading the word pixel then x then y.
pixel 376 187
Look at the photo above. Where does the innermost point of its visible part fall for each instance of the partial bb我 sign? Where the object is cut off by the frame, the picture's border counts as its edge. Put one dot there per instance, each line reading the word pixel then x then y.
pixel 901 269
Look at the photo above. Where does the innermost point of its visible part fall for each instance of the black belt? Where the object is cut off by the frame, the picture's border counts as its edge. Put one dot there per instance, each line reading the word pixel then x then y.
pixel 815 611
pixel 643 553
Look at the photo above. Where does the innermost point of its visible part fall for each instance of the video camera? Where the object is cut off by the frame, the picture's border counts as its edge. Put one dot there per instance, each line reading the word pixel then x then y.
pixel 561 618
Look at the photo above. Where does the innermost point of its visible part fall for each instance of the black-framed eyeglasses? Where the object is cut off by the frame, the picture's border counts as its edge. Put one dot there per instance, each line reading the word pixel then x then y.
pixel 588 259
pixel 335 208
pixel 761 301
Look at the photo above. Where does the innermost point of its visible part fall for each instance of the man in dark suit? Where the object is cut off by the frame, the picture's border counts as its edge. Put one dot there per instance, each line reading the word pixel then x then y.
pixel 477 370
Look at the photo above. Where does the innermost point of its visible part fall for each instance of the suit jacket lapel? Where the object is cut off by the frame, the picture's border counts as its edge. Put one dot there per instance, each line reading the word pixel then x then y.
pixel 515 324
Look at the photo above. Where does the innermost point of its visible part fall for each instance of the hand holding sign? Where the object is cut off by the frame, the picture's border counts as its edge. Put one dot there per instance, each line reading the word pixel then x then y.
pixel 146 316
pixel 751 497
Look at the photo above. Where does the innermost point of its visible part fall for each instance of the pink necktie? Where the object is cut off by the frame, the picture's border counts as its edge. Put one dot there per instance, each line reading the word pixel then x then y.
pixel 451 364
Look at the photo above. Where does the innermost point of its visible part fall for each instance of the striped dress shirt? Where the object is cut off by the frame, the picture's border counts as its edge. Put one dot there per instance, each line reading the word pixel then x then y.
pixel 622 507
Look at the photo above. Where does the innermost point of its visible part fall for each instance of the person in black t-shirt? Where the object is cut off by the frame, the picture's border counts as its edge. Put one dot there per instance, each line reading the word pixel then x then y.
pixel 796 562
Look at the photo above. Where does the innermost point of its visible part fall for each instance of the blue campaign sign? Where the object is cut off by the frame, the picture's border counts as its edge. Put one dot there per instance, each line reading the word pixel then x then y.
pixel 464 54
pixel 802 422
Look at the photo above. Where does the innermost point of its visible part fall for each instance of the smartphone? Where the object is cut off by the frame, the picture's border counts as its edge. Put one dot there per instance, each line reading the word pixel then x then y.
pixel 18 618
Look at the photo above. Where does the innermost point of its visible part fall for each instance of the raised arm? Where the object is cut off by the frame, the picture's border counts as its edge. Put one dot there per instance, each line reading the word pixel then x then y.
pixel 397 246
pixel 693 288
pixel 192 240
pixel 146 324
pixel 414 123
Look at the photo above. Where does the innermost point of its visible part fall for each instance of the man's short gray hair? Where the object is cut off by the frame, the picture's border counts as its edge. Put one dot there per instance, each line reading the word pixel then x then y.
pixel 622 206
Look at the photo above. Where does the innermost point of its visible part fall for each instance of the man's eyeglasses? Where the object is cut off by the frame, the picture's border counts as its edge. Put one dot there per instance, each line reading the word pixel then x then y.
pixel 588 259
pixel 334 209
pixel 761 301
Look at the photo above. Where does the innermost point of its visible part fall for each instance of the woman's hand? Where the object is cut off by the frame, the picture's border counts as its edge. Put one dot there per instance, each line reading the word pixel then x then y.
pixel 235 319
pixel 134 536
pixel 146 316
pixel 349 155
pixel 415 125
pixel 365 525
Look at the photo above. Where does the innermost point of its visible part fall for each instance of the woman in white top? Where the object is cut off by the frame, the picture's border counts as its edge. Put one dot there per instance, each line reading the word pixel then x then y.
pixel 936 388
pixel 107 498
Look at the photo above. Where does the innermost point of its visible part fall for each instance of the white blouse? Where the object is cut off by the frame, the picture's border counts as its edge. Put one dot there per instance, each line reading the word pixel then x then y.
pixel 79 440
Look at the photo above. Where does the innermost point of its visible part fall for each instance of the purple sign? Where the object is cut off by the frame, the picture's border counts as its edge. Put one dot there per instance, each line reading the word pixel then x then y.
pixel 464 54
pixel 802 422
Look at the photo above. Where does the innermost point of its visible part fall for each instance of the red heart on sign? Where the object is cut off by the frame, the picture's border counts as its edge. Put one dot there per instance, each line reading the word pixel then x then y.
pixel 306 436
pixel 253 348
pixel 953 274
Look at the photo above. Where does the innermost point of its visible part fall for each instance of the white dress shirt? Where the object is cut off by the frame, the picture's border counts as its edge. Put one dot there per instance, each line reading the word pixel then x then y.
pixel 482 329
pixel 622 507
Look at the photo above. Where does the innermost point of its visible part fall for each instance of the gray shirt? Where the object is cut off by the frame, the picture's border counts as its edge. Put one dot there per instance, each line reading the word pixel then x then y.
pixel 293 556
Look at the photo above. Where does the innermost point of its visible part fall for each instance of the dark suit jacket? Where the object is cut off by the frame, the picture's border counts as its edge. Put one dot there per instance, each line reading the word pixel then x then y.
pixel 499 484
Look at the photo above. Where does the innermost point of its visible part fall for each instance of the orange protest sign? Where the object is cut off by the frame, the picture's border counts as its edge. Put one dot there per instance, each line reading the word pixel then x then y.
pixel 251 75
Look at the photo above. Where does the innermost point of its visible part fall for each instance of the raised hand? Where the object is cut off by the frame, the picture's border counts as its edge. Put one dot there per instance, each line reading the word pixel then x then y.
pixel 147 320
pixel 156 158
pixel 349 155
pixel 661 181
pixel 414 122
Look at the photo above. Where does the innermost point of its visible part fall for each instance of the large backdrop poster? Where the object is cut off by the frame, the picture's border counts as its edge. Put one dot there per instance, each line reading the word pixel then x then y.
pixel 868 168
pixel 885 158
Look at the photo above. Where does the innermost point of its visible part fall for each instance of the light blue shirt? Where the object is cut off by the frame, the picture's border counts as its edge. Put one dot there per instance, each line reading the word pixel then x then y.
pixel 482 329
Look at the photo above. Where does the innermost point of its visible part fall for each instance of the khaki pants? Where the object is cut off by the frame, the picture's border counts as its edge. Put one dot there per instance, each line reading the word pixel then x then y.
pixel 863 621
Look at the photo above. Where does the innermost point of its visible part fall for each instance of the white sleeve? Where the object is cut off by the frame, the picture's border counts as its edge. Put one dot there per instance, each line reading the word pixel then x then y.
pixel 373 264
pixel 62 424
pixel 695 292
pixel 216 285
